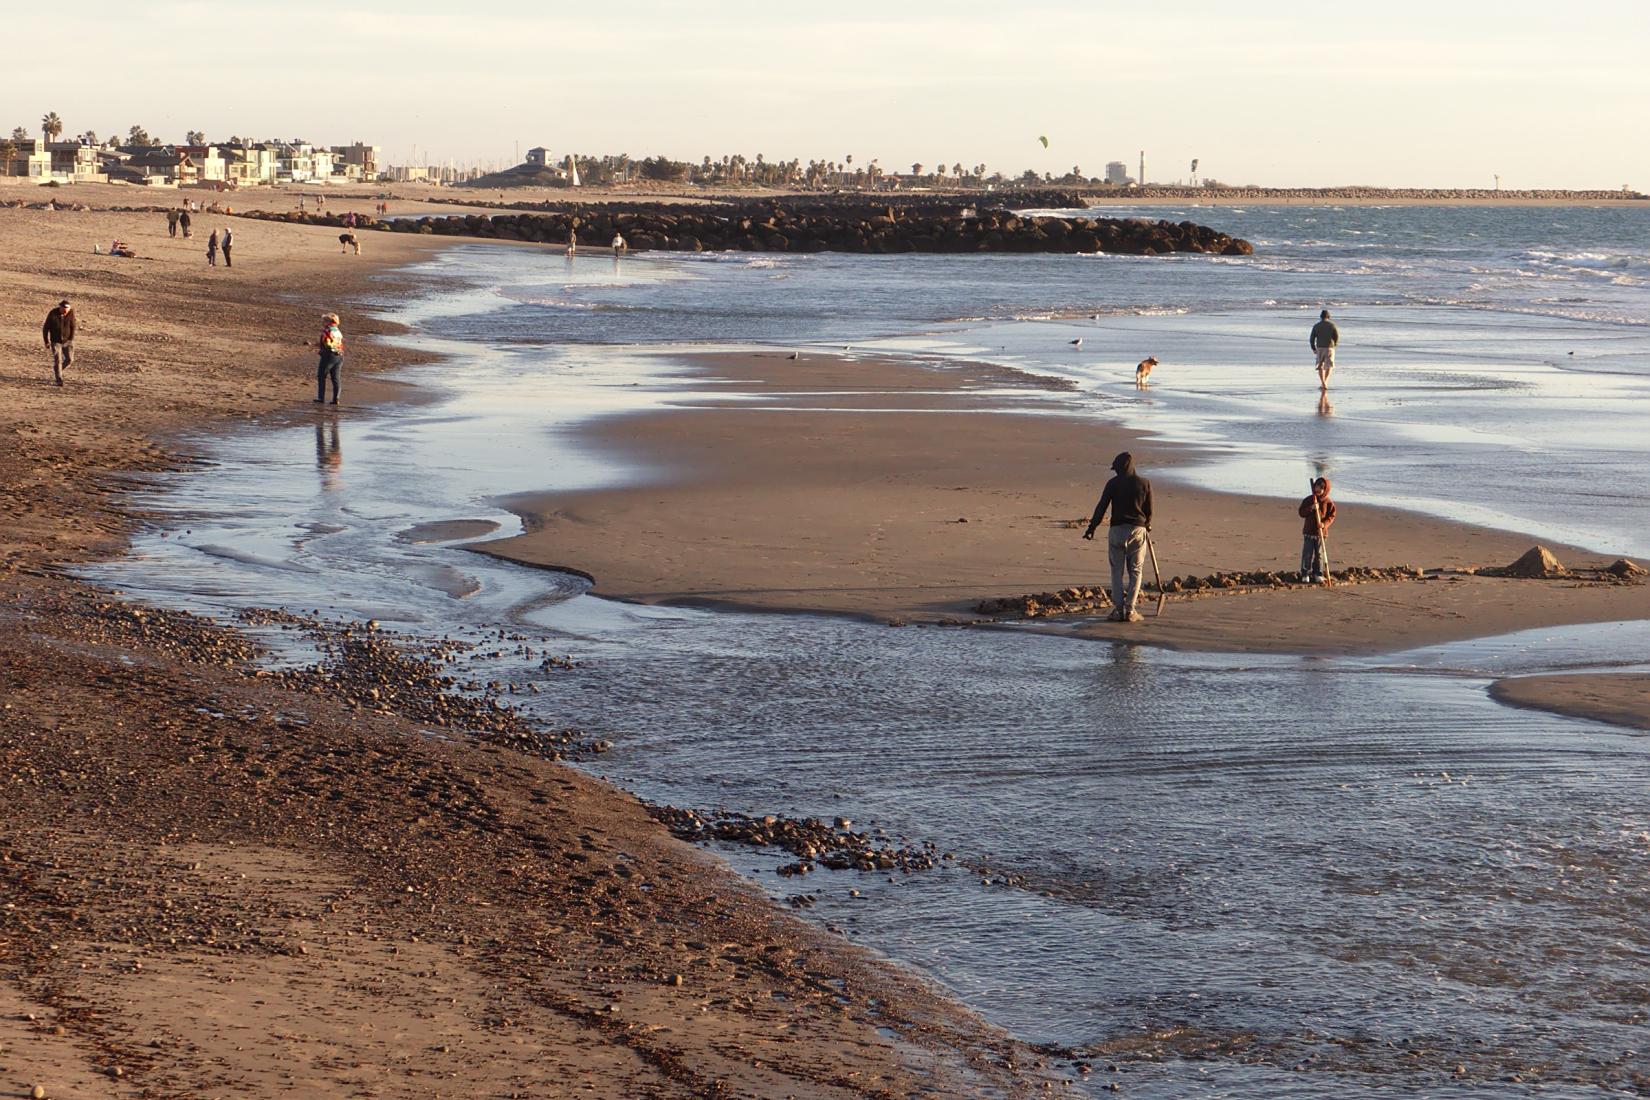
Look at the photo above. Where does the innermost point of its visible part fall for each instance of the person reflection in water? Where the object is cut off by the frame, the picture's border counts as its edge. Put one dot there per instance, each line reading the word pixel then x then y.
pixel 329 455
pixel 1324 407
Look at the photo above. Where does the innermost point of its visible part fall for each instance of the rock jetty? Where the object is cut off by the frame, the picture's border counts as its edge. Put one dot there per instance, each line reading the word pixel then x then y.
pixel 779 226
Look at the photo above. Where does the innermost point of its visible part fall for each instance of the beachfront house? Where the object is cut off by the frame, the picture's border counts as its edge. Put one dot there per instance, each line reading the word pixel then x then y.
pixel 152 166
pixel 210 166
pixel 47 161
pixel 250 165
pixel 356 161
pixel 539 157
pixel 294 163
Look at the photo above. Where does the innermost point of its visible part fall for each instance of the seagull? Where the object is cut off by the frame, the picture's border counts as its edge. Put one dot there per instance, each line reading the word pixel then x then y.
pixel 794 355
pixel 1077 343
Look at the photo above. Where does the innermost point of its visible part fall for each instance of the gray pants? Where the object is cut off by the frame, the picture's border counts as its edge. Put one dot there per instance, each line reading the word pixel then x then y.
pixel 62 356
pixel 1126 547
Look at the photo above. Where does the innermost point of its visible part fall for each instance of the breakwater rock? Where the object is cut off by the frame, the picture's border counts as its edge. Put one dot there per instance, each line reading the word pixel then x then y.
pixel 786 227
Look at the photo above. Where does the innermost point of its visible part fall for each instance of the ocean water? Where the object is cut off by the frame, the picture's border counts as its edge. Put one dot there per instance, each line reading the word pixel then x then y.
pixel 1229 877
pixel 1495 364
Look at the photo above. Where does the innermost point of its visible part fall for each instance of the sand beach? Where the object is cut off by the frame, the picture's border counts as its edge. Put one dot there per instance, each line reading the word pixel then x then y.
pixel 214 881
pixel 222 878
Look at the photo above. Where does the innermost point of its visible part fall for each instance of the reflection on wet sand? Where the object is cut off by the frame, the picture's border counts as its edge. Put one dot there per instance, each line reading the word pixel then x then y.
pixel 329 453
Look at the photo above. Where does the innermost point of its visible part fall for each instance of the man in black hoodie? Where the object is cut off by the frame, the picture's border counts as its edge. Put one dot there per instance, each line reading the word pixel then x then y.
pixel 58 334
pixel 1129 496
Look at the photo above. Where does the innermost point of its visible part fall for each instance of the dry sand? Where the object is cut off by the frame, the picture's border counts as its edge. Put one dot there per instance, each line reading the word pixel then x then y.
pixel 218 883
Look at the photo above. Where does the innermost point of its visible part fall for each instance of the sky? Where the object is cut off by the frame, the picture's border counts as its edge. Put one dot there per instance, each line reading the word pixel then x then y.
pixel 1446 93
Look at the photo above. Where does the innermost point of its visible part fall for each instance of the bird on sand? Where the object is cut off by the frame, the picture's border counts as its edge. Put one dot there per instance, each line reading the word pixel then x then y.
pixel 1077 343
pixel 794 355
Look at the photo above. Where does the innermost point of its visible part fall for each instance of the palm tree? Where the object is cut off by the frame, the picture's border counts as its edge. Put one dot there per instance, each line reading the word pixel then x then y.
pixel 20 133
pixel 916 169
pixel 194 137
pixel 8 149
pixel 89 137
pixel 956 170
pixel 51 125
pixel 137 135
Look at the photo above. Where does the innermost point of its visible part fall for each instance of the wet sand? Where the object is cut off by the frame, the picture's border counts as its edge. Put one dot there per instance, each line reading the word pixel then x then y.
pixel 1618 698
pixel 215 879
pixel 777 505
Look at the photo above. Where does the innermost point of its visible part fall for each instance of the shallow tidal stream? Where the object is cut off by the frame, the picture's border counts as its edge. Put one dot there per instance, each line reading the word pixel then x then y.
pixel 1244 877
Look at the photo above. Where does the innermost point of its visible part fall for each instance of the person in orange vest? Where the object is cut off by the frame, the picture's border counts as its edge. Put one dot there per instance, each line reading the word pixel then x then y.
pixel 331 361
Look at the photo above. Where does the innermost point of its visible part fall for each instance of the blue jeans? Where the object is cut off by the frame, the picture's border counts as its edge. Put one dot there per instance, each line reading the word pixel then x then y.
pixel 1126 548
pixel 1314 560
pixel 327 367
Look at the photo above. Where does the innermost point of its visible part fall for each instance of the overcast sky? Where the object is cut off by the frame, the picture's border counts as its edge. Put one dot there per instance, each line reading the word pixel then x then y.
pixel 1440 93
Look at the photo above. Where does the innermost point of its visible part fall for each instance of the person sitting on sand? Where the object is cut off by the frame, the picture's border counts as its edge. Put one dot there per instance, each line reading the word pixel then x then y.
pixel 1319 512
pixel 58 333
pixel 1129 496
pixel 331 361
pixel 1323 340
pixel 119 247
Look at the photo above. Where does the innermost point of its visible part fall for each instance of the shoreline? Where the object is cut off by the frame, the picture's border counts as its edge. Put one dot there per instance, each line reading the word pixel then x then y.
pixel 618 953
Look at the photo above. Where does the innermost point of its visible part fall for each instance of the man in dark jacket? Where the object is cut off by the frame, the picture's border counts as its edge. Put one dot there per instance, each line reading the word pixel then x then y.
pixel 58 334
pixel 1323 340
pixel 1129 497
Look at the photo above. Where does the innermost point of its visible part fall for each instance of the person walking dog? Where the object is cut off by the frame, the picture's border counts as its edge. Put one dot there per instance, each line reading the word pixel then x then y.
pixel 1128 496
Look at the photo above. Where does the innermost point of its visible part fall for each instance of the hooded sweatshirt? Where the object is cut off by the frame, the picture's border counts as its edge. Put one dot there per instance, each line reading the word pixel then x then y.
pixel 1324 335
pixel 1326 508
pixel 1128 495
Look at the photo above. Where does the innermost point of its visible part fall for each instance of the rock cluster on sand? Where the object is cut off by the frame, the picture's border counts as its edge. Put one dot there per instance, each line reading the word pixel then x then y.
pixel 836 846
pixel 1085 598
pixel 789 226
pixel 1536 562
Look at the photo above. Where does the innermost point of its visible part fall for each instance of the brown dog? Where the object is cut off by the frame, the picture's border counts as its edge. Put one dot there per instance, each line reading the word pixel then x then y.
pixel 1144 370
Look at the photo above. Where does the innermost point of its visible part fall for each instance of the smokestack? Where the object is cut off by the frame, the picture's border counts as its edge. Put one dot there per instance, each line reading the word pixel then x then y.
pixel 1142 167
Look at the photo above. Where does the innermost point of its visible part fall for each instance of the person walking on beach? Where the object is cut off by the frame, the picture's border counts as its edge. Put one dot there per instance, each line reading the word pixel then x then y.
pixel 1323 340
pixel 331 361
pixel 58 334
pixel 212 249
pixel 1319 512
pixel 171 223
pixel 1129 497
pixel 619 244
pixel 183 221
pixel 228 239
